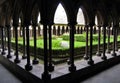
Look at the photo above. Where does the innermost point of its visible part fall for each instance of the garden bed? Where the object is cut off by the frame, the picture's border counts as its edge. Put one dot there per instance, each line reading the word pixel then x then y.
pixel 60 54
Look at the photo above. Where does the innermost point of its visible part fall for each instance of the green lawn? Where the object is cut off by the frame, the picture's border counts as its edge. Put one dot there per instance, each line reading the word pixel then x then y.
pixel 56 42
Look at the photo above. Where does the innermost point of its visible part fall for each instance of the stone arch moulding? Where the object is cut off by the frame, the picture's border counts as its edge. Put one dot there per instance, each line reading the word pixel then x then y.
pixel 99 17
pixel 35 14
pixel 86 16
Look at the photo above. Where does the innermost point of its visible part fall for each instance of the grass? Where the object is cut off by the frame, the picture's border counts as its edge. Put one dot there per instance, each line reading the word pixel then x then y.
pixel 56 42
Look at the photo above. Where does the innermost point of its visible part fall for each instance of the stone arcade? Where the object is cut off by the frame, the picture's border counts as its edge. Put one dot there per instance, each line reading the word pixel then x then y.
pixel 107 12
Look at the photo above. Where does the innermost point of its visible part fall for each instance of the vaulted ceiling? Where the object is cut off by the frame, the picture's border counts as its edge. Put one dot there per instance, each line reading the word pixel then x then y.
pixel 107 11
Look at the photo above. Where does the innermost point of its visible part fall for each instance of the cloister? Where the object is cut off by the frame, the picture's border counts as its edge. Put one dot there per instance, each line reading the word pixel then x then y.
pixel 29 69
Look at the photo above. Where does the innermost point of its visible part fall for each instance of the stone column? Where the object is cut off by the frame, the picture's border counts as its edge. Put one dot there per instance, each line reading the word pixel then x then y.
pixel 16 60
pixel 35 61
pixel 63 29
pixel 24 43
pixel 86 56
pixel 45 74
pixel 108 48
pixel 50 65
pixel 8 42
pixel 90 61
pixel 2 40
pixel 114 41
pixel 28 66
pixel 99 40
pixel 72 67
pixel 5 36
pixel 104 57
pixel 58 30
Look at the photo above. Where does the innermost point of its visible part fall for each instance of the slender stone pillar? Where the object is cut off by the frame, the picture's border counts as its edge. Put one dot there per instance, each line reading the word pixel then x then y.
pixel 35 61
pixel 58 31
pixel 5 36
pixel 67 29
pixel 108 43
pixel 45 74
pixel 54 30
pixel 95 31
pixel 16 60
pixel 99 40
pixel 24 43
pixel 90 60
pixel 9 38
pixel 114 42
pixel 104 57
pixel 81 30
pixel 50 65
pixel 2 41
pixel 28 66
pixel 86 56
pixel 72 67
pixel 78 30
pixel 39 30
pixel 63 29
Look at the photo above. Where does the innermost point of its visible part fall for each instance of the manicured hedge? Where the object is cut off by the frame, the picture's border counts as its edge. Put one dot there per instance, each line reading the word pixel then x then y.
pixel 80 37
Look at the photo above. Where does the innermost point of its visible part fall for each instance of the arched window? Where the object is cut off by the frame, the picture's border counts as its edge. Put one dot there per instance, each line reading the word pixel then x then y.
pixel 80 17
pixel 60 15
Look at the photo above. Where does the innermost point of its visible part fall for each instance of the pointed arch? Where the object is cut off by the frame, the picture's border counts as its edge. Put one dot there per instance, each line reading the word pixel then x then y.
pixel 80 17
pixel 60 15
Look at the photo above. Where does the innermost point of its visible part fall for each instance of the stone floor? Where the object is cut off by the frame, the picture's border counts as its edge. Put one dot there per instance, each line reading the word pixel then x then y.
pixel 59 69
pixel 111 75
pixel 108 76
pixel 7 77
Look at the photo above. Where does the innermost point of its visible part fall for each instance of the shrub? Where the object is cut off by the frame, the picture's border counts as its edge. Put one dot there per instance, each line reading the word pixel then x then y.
pixel 80 38
pixel 95 37
pixel 19 39
pixel 65 36
pixel 55 44
pixel 41 37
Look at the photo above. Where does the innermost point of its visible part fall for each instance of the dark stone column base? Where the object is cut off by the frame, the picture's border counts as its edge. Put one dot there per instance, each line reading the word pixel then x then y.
pixel 28 67
pixel 114 54
pixel 5 48
pixel 50 67
pixel 24 57
pixel 35 61
pixel 46 77
pixel 90 62
pixel 17 61
pixel 68 62
pixel 72 68
pixel 104 58
pixel 108 51
pixel 3 53
pixel 86 57
pixel 98 54
pixel 9 56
